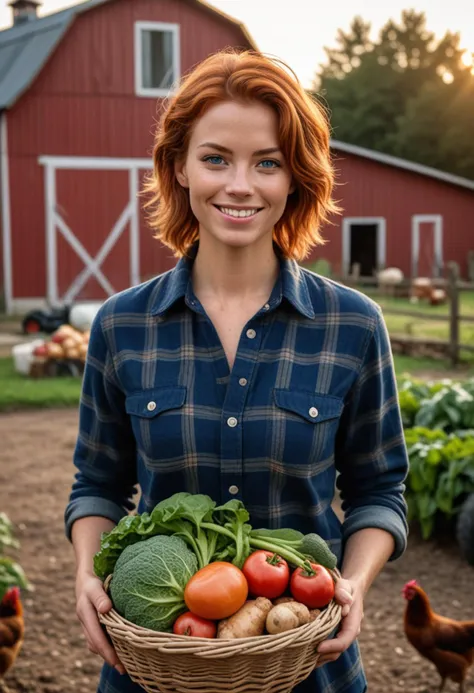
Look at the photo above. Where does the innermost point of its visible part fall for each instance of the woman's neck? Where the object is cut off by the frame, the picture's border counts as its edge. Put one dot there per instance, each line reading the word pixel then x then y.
pixel 224 274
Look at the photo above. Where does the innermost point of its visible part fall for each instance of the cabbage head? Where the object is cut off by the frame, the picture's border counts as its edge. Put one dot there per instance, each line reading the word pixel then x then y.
pixel 148 581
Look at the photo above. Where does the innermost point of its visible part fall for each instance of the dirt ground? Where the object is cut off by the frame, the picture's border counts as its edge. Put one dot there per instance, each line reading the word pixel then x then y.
pixel 35 477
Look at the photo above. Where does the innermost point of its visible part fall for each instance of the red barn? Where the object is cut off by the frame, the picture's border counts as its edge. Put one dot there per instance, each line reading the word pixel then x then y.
pixel 397 213
pixel 79 94
pixel 78 100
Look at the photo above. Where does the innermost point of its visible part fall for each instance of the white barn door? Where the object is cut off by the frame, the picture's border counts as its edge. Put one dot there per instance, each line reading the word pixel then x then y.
pixel 60 229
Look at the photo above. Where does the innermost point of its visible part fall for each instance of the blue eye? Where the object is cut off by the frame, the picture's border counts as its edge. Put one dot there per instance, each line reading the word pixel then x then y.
pixel 273 164
pixel 212 159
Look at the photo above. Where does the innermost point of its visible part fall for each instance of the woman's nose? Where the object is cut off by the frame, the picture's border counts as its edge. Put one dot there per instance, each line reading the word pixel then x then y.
pixel 239 183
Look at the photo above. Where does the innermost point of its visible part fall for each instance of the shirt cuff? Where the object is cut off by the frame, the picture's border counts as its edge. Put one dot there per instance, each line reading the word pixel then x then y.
pixel 88 506
pixel 379 517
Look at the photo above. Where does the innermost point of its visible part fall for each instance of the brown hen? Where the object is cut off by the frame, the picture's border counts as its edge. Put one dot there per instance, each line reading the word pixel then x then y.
pixel 12 629
pixel 449 644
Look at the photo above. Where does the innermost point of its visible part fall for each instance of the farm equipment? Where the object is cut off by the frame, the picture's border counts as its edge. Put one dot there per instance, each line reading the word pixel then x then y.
pixel 78 315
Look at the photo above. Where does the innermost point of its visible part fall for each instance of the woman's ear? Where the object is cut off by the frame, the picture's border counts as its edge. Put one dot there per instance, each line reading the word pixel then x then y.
pixel 292 187
pixel 180 173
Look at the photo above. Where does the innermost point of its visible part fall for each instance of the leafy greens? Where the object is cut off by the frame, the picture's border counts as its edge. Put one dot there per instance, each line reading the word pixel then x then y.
pixel 214 533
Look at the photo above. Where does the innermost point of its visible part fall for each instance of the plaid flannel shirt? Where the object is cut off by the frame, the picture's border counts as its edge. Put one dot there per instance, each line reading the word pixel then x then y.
pixel 311 400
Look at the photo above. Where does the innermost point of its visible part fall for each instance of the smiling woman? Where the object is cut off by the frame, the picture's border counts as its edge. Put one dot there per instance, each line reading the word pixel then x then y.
pixel 239 374
pixel 240 116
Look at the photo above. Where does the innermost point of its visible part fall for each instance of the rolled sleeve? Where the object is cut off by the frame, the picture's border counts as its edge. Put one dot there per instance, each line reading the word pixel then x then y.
pixel 105 455
pixel 371 455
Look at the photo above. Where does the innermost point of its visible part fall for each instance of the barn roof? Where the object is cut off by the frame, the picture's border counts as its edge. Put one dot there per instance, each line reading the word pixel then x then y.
pixel 402 163
pixel 25 48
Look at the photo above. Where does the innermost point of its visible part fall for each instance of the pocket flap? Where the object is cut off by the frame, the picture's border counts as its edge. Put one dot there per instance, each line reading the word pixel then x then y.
pixel 311 406
pixel 152 402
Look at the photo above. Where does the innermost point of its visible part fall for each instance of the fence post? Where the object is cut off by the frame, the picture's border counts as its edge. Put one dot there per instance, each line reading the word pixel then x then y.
pixel 454 313
pixel 470 265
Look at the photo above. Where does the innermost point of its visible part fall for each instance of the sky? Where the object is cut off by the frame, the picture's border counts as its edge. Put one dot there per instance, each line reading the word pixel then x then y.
pixel 297 30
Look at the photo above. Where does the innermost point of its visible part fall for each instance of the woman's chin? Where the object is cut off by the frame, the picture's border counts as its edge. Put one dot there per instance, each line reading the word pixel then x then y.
pixel 239 238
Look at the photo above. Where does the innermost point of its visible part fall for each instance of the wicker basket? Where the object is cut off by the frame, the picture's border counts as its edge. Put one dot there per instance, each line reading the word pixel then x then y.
pixel 168 663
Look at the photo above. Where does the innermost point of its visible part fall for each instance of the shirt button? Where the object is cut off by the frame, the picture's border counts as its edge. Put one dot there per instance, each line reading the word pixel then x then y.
pixel 251 334
pixel 151 406
pixel 232 421
pixel 313 412
pixel 233 489
pixel 266 306
pixel 243 382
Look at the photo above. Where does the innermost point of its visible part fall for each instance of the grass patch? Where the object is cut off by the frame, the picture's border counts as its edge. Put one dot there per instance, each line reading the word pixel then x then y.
pixel 432 368
pixel 429 329
pixel 21 392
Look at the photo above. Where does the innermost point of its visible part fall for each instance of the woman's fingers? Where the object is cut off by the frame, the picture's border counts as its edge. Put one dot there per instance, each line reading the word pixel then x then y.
pixel 96 638
pixel 350 624
pixel 89 603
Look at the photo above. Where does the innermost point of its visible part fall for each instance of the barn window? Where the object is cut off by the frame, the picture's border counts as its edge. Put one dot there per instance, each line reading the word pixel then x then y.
pixel 156 58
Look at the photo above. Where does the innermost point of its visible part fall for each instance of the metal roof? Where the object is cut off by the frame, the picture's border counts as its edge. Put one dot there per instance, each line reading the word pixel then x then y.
pixel 25 48
pixel 402 163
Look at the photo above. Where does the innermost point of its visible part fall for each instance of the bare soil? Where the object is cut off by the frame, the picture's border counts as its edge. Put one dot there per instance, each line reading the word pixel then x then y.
pixel 35 477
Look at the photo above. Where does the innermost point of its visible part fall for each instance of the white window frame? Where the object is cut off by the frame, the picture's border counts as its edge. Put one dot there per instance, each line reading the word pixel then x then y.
pixel 140 90
pixel 381 224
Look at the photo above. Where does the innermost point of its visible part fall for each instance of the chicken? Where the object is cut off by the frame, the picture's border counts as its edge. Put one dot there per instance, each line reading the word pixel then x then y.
pixel 12 629
pixel 449 644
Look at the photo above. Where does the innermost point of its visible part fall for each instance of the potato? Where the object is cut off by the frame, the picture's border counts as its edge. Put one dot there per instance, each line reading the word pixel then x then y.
pixel 72 353
pixel 82 351
pixel 69 343
pixel 55 351
pixel 283 600
pixel 287 616
pixel 247 622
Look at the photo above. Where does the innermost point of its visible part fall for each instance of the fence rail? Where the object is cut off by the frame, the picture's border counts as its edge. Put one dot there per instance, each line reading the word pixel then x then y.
pixel 453 285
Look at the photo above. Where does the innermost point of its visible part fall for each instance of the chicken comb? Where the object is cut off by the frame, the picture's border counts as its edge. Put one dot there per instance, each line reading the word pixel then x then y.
pixel 411 583
pixel 11 595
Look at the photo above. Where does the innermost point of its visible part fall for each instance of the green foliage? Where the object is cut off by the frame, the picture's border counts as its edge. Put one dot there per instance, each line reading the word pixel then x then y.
pixel 320 266
pixel 11 573
pixel 406 93
pixel 441 474
pixel 439 433
pixel 149 580
pixel 445 404
pixel 214 533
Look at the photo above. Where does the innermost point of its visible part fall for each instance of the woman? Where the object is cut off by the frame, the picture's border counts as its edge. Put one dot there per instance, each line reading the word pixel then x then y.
pixel 238 374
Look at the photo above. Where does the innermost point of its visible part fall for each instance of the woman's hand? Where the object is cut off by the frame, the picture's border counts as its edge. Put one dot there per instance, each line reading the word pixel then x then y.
pixel 350 596
pixel 91 599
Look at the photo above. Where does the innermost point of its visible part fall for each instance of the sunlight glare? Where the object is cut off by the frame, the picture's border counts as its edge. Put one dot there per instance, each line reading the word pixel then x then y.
pixel 467 58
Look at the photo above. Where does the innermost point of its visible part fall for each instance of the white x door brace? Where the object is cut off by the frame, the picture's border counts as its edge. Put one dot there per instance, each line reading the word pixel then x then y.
pixel 54 223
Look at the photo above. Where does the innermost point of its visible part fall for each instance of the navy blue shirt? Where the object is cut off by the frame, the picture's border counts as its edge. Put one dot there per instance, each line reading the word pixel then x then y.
pixel 311 399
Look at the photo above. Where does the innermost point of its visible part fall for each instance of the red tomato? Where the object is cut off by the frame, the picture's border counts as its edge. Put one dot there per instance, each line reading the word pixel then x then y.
pixel 216 591
pixel 314 589
pixel 267 574
pixel 195 626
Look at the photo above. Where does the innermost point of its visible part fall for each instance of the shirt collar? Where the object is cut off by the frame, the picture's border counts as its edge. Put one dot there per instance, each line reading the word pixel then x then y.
pixel 291 285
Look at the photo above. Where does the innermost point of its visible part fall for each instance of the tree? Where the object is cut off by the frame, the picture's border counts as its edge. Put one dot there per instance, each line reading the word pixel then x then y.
pixel 404 94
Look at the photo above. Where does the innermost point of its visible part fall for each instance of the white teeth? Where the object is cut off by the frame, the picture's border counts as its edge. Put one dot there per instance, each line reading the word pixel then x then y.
pixel 239 212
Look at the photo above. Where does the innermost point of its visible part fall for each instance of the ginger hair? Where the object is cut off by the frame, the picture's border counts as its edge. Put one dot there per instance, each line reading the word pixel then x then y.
pixel 304 135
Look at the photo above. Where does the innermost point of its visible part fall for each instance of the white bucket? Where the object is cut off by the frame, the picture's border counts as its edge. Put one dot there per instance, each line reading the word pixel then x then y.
pixel 23 355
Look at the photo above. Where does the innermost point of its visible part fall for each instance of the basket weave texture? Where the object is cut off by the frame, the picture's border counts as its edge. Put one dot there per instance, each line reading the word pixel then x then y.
pixel 168 663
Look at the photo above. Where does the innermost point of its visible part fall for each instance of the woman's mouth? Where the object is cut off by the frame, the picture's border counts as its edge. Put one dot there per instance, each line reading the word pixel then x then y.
pixel 238 214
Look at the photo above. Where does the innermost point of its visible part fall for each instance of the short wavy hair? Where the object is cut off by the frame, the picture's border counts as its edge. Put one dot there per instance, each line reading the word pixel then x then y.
pixel 304 140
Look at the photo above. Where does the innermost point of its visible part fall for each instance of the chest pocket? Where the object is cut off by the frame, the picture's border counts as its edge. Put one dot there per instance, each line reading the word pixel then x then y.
pixel 156 417
pixel 310 422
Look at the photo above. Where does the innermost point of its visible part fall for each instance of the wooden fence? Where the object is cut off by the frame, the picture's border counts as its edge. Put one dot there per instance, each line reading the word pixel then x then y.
pixel 408 344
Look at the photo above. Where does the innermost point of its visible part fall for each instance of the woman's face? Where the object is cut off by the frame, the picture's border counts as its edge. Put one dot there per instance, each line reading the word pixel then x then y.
pixel 237 176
